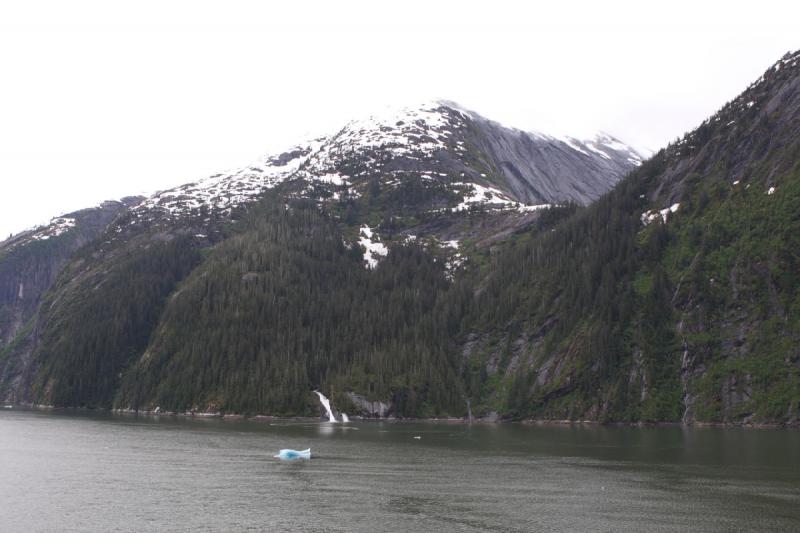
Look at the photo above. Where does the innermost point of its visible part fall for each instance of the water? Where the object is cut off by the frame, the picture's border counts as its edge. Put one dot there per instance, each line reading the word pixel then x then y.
pixel 98 472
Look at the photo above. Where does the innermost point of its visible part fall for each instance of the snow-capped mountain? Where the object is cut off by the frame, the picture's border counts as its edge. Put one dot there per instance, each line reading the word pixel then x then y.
pixel 436 145
pixel 83 224
pixel 434 173
pixel 407 261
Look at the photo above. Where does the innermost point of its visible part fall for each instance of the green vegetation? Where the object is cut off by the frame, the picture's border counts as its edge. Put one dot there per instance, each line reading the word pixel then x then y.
pixel 91 330
pixel 285 307
pixel 587 313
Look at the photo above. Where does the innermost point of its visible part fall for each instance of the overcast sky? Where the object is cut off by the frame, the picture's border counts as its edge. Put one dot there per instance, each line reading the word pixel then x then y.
pixel 100 100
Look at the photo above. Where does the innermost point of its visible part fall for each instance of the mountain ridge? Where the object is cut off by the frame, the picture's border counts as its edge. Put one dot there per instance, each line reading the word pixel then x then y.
pixel 412 177
pixel 680 308
pixel 416 272
pixel 413 133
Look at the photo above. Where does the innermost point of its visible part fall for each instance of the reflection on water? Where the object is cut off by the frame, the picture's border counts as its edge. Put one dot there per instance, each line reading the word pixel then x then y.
pixel 98 472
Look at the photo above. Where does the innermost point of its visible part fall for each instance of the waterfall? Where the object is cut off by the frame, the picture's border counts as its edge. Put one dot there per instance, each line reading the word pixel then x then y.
pixel 327 405
pixel 345 418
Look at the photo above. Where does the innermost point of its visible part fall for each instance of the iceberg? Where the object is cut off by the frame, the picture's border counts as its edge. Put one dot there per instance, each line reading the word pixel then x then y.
pixel 287 454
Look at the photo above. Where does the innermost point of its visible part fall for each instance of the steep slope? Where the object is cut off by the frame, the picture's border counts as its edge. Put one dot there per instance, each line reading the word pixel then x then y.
pixel 31 260
pixel 408 173
pixel 542 169
pixel 676 297
pixel 407 262
pixel 284 307
pixel 400 192
pixel 450 153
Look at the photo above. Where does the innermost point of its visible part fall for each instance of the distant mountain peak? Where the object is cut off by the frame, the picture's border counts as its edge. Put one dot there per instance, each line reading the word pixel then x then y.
pixel 437 141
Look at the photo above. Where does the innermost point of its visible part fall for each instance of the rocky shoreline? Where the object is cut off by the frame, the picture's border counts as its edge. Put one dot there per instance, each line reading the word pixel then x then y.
pixel 795 424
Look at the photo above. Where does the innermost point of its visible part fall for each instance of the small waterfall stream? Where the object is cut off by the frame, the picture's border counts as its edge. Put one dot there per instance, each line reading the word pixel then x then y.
pixel 326 403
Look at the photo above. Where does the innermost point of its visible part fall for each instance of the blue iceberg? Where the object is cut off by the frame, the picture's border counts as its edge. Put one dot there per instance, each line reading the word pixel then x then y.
pixel 288 454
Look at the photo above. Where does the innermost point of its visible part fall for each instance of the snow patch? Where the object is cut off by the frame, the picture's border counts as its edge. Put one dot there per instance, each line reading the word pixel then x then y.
pixel 222 192
pixel 455 259
pixel 529 208
pixel 372 248
pixel 334 179
pixel 477 194
pixel 571 143
pixel 653 215
pixel 455 262
pixel 412 132
pixel 597 151
pixel 57 226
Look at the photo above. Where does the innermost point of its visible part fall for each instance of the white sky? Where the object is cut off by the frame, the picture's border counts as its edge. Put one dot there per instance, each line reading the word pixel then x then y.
pixel 103 99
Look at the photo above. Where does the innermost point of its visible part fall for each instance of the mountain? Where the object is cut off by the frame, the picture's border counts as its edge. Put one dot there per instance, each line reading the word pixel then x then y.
pixel 421 262
pixel 31 260
pixel 433 181
pixel 438 145
pixel 673 298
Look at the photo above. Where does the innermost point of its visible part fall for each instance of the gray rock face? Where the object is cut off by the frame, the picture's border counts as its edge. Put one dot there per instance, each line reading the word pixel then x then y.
pixel 451 155
pixel 368 408
pixel 540 168
pixel 436 164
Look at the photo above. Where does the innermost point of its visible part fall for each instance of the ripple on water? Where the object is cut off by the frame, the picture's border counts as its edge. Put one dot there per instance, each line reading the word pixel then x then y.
pixel 81 472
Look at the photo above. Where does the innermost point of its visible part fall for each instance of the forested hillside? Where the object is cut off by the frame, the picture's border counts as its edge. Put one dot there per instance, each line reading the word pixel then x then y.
pixel 412 275
pixel 31 260
pixel 214 296
pixel 674 298
pixel 286 306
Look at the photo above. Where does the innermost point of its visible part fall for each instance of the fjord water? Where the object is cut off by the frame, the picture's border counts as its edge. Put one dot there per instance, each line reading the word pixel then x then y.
pixel 100 472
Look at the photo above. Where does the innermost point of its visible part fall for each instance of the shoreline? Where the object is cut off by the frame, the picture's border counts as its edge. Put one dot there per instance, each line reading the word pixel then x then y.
pixel 204 415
